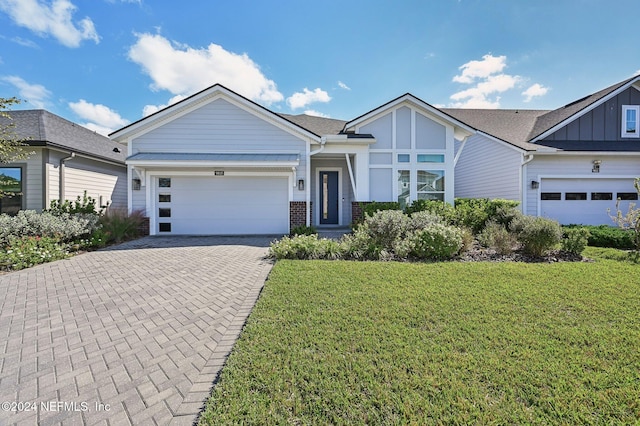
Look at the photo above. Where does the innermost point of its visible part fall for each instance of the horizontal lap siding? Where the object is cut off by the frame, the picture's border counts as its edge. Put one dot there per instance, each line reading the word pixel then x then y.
pixel 487 169
pixel 570 166
pixel 97 179
pixel 221 126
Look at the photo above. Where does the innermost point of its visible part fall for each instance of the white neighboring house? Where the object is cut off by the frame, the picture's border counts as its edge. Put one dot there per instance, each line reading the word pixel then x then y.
pixel 218 163
pixel 569 164
pixel 68 160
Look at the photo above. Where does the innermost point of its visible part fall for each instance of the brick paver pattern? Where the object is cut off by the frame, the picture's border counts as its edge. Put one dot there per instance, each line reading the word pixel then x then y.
pixel 135 334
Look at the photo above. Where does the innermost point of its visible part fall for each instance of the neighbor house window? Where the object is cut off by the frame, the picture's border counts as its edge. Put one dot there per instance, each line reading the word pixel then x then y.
pixel 630 115
pixel 12 190
pixel 404 188
pixel 430 185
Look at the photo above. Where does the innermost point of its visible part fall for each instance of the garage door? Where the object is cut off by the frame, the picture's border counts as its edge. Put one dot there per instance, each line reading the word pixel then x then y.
pixel 584 201
pixel 222 205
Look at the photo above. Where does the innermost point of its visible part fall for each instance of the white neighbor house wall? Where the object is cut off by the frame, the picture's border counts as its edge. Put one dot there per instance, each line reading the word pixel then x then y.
pixel 488 168
pixel 218 127
pixel 576 166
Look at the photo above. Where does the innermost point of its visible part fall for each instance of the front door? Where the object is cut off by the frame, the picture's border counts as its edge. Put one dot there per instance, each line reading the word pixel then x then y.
pixel 329 198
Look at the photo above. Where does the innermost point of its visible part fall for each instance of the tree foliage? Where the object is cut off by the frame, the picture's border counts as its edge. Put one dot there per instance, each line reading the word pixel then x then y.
pixel 10 143
pixel 629 220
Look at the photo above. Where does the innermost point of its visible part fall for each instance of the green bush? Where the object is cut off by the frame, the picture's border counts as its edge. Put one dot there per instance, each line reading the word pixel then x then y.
pixel 575 240
pixel 84 204
pixel 445 210
pixel 385 227
pixel 496 236
pixel 28 251
pixel 118 225
pixel 422 219
pixel 537 235
pixel 305 247
pixel 608 236
pixel 303 230
pixel 375 206
pixel 436 242
pixel 64 227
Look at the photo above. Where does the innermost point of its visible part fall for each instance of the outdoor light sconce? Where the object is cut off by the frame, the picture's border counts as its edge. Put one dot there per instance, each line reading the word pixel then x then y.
pixel 300 184
pixel 535 184
pixel 136 184
pixel 596 166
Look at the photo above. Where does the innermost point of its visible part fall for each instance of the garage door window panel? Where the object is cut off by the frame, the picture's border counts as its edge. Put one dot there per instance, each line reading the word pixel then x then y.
pixel 164 227
pixel 601 196
pixel 551 196
pixel 627 196
pixel 164 198
pixel 575 196
pixel 164 212
pixel 164 182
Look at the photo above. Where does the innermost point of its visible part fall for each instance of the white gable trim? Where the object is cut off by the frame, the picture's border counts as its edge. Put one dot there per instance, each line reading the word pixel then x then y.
pixel 587 109
pixel 200 99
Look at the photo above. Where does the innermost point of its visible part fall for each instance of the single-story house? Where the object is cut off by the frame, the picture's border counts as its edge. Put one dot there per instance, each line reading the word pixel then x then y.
pixel 218 163
pixel 67 160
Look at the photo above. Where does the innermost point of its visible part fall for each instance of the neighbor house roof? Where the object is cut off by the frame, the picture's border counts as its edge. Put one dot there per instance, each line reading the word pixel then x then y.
pixel 42 128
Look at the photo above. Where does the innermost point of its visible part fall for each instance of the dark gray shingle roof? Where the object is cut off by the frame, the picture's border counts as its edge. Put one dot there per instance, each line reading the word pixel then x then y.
pixel 44 128
pixel 318 125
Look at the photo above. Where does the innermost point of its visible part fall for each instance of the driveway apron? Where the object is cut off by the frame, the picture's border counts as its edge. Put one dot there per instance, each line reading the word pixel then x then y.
pixel 134 334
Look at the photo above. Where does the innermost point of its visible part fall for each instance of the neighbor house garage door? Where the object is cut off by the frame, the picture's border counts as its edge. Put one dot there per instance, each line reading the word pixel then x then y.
pixel 584 201
pixel 221 205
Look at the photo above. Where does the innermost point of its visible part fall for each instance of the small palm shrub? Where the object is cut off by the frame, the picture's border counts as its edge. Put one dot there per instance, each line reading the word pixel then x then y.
pixel 117 225
pixel 537 235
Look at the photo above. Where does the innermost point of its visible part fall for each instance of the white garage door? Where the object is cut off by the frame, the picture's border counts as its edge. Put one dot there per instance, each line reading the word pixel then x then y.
pixel 584 201
pixel 222 205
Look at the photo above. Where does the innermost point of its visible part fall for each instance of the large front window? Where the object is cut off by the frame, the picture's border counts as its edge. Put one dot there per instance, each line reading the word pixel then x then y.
pixel 404 188
pixel 430 185
pixel 11 189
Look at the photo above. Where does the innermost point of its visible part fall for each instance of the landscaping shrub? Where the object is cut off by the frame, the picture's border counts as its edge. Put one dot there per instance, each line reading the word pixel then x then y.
pixel 118 225
pixel 575 240
pixel 385 227
pixel 537 235
pixel 64 226
pixel 84 204
pixel 445 210
pixel 422 219
pixel 24 252
pixel 305 247
pixel 303 230
pixel 608 236
pixel 496 236
pixel 436 242
pixel 375 206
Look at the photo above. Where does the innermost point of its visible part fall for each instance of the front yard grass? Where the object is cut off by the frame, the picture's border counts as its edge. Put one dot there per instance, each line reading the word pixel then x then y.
pixel 448 343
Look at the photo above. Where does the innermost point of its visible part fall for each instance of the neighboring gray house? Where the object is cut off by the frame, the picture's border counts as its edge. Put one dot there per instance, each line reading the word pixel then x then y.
pixel 570 164
pixel 218 163
pixel 68 160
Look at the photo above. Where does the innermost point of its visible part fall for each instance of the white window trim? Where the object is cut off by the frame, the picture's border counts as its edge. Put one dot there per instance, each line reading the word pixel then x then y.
pixel 623 128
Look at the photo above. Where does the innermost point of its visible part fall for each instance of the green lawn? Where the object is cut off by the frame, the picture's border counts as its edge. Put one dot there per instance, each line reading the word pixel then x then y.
pixel 442 343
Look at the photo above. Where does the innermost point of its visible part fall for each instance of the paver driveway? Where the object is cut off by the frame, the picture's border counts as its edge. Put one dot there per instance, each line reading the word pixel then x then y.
pixel 134 334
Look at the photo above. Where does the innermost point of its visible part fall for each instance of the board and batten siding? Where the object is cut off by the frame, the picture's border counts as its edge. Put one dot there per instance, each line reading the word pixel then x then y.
pixel 603 123
pixel 568 166
pixel 487 169
pixel 221 126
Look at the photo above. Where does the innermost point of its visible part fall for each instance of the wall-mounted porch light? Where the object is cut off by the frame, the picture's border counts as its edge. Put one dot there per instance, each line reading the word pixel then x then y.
pixel 535 184
pixel 136 184
pixel 300 184
pixel 596 166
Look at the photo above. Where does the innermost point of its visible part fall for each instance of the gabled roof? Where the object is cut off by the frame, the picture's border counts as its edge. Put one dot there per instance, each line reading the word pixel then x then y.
pixel 43 128
pixel 206 95
pixel 318 125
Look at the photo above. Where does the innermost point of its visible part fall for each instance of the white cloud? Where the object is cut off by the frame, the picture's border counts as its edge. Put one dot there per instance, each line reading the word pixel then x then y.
pixel 343 86
pixel 306 97
pixel 473 70
pixel 534 91
pixel 150 109
pixel 102 119
pixel 34 94
pixel 636 73
pixel 183 70
pixel 54 20
pixel 315 113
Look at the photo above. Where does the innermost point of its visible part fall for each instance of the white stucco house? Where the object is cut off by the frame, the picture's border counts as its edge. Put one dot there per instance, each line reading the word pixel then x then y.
pixel 218 163
pixel 67 160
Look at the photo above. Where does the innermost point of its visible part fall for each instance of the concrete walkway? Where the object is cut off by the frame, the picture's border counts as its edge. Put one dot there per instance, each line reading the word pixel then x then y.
pixel 135 334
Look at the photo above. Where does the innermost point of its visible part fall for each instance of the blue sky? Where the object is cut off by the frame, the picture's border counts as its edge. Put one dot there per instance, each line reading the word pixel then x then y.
pixel 106 63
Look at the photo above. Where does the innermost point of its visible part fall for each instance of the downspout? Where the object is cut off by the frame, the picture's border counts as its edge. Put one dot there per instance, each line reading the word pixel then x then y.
pixel 527 158
pixel 61 175
pixel 323 141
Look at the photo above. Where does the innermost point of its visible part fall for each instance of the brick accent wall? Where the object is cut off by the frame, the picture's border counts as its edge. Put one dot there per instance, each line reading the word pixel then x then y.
pixel 298 214
pixel 357 211
pixel 143 229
